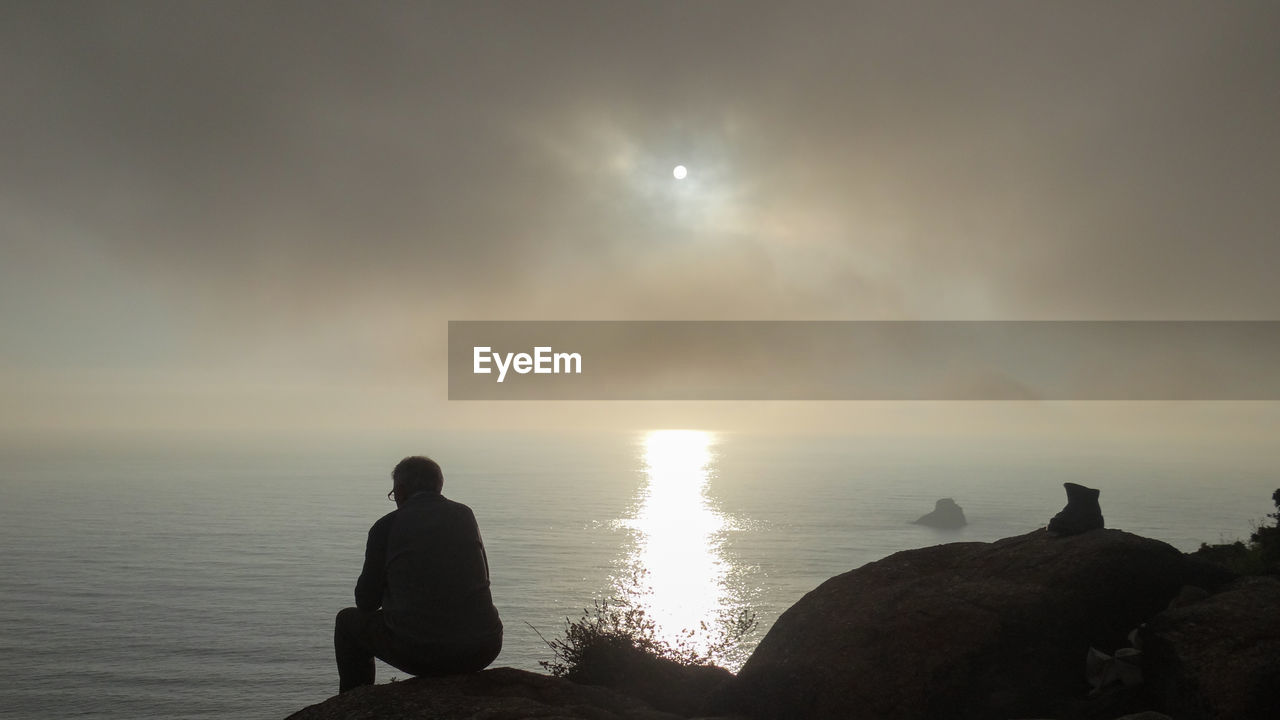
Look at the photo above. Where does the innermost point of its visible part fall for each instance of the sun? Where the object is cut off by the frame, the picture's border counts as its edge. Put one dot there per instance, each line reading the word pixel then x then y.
pixel 680 172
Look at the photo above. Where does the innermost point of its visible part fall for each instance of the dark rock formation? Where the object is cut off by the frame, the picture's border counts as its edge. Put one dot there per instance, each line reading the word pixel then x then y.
pixel 1188 595
pixel 946 515
pixel 965 630
pixel 1081 514
pixel 497 694
pixel 1219 657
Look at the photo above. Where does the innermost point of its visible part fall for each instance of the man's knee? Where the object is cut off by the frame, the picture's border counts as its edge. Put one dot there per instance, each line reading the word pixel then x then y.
pixel 347 616
pixel 350 623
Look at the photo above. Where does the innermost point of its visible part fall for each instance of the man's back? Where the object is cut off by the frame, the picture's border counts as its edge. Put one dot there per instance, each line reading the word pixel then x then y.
pixel 437 573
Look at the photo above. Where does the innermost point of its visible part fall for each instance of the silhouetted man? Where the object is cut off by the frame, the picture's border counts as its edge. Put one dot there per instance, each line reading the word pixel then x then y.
pixel 422 600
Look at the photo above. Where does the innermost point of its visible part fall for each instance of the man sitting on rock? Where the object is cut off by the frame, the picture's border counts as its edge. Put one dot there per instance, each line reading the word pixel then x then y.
pixel 422 601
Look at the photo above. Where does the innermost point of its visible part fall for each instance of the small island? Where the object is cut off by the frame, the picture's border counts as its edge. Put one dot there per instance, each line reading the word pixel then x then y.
pixel 946 515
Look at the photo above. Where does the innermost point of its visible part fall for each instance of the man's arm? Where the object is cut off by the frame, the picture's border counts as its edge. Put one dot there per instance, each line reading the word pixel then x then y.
pixel 373 578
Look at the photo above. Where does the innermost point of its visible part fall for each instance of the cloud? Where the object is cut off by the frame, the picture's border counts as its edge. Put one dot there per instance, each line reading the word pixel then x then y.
pixel 323 186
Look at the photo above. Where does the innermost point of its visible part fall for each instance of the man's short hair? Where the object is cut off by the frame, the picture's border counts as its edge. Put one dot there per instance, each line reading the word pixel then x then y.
pixel 418 473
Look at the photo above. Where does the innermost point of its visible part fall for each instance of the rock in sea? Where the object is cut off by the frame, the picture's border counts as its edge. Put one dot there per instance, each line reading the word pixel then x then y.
pixel 946 515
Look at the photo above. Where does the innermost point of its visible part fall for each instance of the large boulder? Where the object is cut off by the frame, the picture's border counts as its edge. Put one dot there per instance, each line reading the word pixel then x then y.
pixel 965 630
pixel 496 694
pixel 1082 513
pixel 1218 658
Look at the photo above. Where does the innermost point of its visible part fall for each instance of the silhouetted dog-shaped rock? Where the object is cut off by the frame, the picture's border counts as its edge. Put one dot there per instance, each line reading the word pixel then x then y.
pixel 1082 513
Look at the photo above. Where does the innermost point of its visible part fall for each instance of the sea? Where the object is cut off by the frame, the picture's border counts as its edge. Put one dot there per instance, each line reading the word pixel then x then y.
pixel 201 579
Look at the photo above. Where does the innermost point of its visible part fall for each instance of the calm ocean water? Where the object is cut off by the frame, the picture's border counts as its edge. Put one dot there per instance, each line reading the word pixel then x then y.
pixel 202 582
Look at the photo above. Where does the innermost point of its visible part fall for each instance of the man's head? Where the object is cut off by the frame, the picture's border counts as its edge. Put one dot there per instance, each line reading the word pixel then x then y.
pixel 415 474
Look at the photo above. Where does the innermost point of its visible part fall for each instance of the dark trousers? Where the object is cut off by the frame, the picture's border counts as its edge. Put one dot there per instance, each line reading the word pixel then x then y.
pixel 359 637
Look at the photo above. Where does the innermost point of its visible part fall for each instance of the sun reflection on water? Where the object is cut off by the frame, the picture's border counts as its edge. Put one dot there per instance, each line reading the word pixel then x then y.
pixel 678 564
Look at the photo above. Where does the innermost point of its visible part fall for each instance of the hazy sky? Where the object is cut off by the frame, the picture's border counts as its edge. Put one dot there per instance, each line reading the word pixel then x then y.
pixel 263 214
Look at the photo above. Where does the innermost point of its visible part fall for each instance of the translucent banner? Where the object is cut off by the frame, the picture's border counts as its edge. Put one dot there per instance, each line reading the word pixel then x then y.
pixel 864 360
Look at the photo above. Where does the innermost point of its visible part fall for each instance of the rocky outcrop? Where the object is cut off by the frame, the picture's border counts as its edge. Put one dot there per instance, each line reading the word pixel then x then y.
pixel 497 694
pixel 1082 513
pixel 965 630
pixel 1218 658
pixel 946 515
